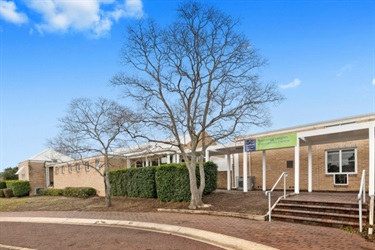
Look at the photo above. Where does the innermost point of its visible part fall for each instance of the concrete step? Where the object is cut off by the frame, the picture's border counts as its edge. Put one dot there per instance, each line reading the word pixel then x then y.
pixel 314 221
pixel 332 214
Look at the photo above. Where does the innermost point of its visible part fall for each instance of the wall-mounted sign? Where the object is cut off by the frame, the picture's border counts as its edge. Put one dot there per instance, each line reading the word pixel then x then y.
pixel 278 141
pixel 250 145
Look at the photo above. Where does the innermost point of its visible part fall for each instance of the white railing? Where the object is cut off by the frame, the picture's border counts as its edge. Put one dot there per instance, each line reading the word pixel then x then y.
pixel 268 193
pixel 362 197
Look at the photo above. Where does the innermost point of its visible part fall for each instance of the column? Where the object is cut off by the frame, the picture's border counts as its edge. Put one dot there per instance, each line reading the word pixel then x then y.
pixel 309 168
pixel 236 169
pixel 264 171
pixel 244 166
pixel 207 156
pixel 229 181
pixel 371 173
pixel 296 168
pixel 168 158
pixel 177 158
pixel 128 165
pixel 47 176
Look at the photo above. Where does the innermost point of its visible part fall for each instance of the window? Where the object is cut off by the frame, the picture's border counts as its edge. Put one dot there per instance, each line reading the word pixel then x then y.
pixel 289 164
pixel 87 167
pixel 78 167
pixel 341 161
pixel 69 168
pixel 63 169
pixel 97 164
pixel 340 179
pixel 56 170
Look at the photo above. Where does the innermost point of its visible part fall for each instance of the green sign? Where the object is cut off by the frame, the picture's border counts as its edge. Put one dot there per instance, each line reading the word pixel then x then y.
pixel 278 141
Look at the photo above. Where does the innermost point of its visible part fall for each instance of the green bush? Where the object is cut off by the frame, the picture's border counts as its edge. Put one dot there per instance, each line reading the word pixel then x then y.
pixel 3 185
pixel 210 174
pixel 80 192
pixel 51 192
pixel 133 182
pixel 19 188
pixel 173 184
pixel 2 195
pixel 8 192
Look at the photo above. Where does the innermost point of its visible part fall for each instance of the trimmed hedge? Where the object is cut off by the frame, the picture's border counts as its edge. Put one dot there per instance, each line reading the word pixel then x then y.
pixel 51 192
pixel 168 182
pixel 19 188
pixel 173 184
pixel 7 192
pixel 133 182
pixel 2 195
pixel 3 185
pixel 80 192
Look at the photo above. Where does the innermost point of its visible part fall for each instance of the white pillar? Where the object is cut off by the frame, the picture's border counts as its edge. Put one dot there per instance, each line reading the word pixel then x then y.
pixel 236 169
pixel 128 163
pixel 244 170
pixel 47 176
pixel 229 177
pixel 207 156
pixel 168 158
pixel 177 158
pixel 371 172
pixel 264 171
pixel 296 169
pixel 309 168
pixel 158 161
pixel 147 163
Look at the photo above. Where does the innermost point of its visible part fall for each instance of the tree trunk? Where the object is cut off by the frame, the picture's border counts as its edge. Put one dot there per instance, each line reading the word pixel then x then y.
pixel 202 176
pixel 196 196
pixel 107 186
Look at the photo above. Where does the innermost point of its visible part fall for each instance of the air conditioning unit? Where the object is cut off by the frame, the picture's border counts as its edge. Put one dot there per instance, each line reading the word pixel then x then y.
pixel 250 183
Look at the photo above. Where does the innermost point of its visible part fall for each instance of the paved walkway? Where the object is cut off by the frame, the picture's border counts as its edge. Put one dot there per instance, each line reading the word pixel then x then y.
pixel 276 234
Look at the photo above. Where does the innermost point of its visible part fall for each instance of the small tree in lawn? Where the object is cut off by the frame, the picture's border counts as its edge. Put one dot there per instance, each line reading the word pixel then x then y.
pixel 94 128
pixel 199 77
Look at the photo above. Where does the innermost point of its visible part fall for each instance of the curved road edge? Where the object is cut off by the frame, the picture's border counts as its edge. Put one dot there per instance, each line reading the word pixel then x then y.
pixel 220 240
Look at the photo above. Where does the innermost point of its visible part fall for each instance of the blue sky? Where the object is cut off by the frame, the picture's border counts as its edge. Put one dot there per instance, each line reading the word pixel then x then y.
pixel 321 54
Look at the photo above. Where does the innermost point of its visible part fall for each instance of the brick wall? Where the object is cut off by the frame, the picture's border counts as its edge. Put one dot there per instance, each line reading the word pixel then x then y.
pixel 276 163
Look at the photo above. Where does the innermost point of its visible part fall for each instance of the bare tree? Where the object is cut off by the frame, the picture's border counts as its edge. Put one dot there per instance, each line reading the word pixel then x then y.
pixel 94 128
pixel 199 77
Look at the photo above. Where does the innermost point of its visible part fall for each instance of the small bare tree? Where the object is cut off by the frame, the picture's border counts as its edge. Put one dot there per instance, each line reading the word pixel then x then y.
pixel 199 77
pixel 94 128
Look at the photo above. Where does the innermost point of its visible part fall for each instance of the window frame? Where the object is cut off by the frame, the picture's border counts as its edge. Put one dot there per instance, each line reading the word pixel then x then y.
pixel 70 170
pixel 87 166
pixel 340 161
pixel 78 167
pixel 57 170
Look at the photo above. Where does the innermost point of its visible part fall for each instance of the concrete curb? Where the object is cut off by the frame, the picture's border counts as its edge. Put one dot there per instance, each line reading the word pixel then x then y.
pixel 220 240
pixel 217 213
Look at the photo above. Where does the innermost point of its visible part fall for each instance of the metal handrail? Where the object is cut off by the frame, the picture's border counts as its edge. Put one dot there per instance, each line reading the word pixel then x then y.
pixel 268 193
pixel 362 197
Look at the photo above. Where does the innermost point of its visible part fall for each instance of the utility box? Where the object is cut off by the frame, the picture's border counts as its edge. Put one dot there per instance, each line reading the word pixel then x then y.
pixel 250 183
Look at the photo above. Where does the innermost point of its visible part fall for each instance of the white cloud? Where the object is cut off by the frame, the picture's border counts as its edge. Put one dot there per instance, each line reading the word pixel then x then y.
pixel 94 17
pixel 8 12
pixel 294 84
pixel 373 81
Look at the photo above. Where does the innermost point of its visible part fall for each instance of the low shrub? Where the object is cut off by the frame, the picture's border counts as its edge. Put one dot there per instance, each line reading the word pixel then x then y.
pixel 19 188
pixel 2 193
pixel 3 185
pixel 80 192
pixel 7 192
pixel 51 192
